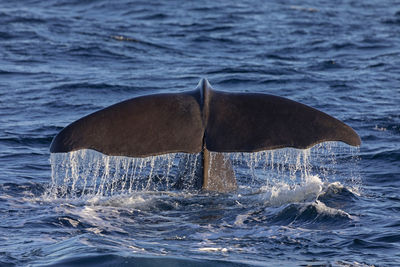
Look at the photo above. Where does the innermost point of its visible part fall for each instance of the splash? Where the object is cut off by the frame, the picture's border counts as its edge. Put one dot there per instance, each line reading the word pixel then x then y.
pixel 282 174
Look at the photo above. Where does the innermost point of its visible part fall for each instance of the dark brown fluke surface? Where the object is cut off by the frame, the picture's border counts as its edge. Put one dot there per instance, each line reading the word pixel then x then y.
pixel 139 127
pixel 254 122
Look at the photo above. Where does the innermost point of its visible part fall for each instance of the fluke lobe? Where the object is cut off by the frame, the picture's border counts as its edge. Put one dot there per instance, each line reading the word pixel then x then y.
pixel 202 120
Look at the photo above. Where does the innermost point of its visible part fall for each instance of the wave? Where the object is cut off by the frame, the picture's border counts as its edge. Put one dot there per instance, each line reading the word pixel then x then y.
pixel 27 140
pixel 106 87
pixel 93 50
pixel 23 73
pixel 34 191
pixel 382 154
pixel 311 215
pixel 337 195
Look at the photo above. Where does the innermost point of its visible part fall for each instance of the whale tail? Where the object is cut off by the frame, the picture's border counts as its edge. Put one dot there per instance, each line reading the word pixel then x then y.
pixel 202 120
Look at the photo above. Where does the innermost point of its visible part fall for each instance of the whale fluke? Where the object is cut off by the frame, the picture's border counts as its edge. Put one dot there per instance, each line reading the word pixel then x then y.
pixel 254 122
pixel 140 127
pixel 202 120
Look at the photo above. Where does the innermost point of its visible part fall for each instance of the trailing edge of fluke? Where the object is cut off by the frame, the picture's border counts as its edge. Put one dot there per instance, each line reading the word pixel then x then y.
pixel 203 119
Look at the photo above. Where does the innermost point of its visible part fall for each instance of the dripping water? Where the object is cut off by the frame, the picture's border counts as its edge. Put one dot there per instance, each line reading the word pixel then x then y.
pixel 90 173
pixel 87 173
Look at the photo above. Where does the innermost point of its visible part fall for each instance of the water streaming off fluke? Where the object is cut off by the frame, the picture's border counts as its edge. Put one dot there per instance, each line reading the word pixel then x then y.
pixel 87 173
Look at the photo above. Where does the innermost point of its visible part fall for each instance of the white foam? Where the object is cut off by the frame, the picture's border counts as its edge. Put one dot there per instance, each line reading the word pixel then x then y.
pixel 91 215
pixel 240 219
pixel 213 249
pixel 282 193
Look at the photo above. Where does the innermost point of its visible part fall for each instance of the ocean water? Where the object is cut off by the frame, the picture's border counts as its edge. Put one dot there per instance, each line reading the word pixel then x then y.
pixel 332 205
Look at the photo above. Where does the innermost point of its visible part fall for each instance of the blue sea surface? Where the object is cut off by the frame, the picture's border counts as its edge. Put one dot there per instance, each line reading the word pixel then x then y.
pixel 331 205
